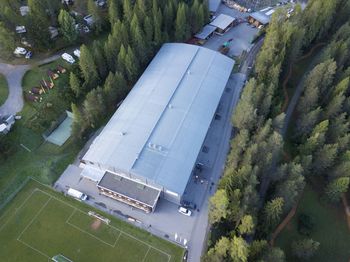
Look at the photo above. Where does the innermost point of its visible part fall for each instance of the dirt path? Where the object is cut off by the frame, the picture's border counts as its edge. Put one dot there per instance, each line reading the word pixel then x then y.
pixel 289 75
pixel 346 209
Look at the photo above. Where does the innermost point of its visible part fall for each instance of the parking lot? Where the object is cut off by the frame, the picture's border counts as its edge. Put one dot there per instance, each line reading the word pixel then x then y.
pixel 166 221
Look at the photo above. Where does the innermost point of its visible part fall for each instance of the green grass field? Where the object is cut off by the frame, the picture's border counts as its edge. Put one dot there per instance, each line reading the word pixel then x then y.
pixel 44 161
pixel 40 223
pixel 4 91
pixel 330 230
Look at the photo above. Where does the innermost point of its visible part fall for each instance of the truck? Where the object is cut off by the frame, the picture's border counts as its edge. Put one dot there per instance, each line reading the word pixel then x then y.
pixel 77 194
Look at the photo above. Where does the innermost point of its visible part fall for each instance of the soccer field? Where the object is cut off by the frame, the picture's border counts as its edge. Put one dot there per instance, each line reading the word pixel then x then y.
pixel 40 223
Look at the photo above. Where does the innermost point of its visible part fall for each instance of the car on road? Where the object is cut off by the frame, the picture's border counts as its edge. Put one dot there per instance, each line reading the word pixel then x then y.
pixel 185 211
pixel 188 204
pixel 29 55
pixel 68 58
pixel 76 52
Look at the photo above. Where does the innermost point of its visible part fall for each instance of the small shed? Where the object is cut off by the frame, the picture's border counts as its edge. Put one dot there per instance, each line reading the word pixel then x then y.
pixel 223 23
pixel 206 33
pixel 262 17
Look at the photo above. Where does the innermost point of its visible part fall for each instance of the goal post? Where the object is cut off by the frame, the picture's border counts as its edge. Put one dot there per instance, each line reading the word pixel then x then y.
pixel 60 258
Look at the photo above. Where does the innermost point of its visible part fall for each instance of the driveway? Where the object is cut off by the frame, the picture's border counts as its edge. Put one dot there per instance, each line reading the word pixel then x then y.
pixel 13 75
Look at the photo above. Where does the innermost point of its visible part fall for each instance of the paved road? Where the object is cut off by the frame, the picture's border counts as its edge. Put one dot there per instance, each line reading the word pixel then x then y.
pixel 14 75
pixel 236 82
pixel 198 236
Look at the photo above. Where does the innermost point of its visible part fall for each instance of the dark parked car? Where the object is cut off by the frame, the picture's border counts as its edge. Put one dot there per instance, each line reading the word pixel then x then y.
pixel 29 55
pixel 189 204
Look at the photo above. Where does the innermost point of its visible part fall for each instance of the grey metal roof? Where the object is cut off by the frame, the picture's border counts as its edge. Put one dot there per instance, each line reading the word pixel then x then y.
pixel 129 188
pixel 206 31
pixel 264 15
pixel 222 21
pixel 214 5
pixel 158 131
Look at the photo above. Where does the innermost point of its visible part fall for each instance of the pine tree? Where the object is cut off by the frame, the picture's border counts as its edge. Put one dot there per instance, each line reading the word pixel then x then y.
pixel 75 84
pixel 194 15
pixel 79 124
pixel 114 11
pixel 324 158
pixel 67 26
pixel 149 31
pixel 122 61
pixel 239 250
pixel 98 19
pixel 38 28
pixel 305 249
pixel 131 65
pixel 218 205
pixel 337 187
pixel 127 11
pixel 114 89
pixel 138 40
pixel 181 24
pixel 169 16
pixel 94 107
pixel 247 225
pixel 88 68
pixel 273 211
pixel 99 58
pixel 157 22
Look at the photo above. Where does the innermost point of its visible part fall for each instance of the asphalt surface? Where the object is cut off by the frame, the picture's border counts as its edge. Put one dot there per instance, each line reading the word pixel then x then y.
pixel 14 75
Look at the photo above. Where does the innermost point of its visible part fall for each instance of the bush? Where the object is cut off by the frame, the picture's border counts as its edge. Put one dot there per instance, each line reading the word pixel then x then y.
pixel 305 224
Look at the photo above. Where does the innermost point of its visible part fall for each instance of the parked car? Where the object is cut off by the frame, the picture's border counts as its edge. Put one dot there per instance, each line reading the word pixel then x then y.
pixel 189 204
pixel 185 211
pixel 19 51
pixel 29 55
pixel 68 58
pixel 76 52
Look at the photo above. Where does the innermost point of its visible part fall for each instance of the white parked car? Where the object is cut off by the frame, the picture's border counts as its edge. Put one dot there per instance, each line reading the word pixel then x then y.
pixel 76 52
pixel 185 211
pixel 68 58
pixel 20 51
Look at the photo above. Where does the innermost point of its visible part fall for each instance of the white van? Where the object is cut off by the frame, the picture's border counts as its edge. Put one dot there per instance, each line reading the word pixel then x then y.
pixel 77 194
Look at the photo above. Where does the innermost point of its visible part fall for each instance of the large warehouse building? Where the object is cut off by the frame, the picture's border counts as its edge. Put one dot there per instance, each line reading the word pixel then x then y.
pixel 150 146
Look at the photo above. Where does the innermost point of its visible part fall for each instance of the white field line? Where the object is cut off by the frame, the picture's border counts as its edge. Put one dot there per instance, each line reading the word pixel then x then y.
pixel 40 252
pixel 123 232
pixel 149 248
pixel 36 215
pixel 17 209
pixel 84 231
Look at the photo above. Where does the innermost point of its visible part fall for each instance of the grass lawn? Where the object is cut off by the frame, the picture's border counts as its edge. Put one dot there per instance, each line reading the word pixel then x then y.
pixel 330 230
pixel 29 155
pixel 40 223
pixel 4 91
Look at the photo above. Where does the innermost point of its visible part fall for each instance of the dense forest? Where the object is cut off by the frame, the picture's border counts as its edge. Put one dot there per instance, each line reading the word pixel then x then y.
pixel 260 185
